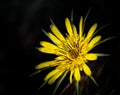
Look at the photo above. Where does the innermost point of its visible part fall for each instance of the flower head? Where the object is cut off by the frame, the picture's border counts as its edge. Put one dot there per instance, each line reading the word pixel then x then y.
pixel 72 51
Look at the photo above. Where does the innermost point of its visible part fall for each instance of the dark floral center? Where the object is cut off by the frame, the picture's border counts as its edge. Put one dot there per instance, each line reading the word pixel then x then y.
pixel 73 53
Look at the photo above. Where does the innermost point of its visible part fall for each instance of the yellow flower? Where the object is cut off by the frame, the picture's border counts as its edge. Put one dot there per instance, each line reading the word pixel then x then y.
pixel 72 51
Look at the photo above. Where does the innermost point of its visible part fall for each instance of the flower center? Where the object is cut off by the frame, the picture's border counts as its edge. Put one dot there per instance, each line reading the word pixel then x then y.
pixel 73 53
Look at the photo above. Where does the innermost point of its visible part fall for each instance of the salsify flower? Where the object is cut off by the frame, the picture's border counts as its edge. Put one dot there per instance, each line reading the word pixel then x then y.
pixel 72 51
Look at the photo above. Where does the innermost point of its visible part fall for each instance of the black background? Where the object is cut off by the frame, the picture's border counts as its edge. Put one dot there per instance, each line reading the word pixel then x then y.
pixel 20 32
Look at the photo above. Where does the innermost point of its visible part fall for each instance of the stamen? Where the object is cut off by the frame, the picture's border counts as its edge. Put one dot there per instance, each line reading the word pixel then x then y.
pixel 73 53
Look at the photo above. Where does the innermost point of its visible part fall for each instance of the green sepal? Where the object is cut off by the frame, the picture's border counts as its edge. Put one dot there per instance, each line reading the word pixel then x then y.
pixel 59 82
pixel 101 28
pixel 66 87
pixel 87 15
pixel 94 81
pixel 42 85
pixel 102 54
pixel 48 35
pixel 72 16
pixel 36 72
pixel 77 87
pixel 104 40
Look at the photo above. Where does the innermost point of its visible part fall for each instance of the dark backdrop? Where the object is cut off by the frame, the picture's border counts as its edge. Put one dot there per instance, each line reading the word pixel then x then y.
pixel 20 32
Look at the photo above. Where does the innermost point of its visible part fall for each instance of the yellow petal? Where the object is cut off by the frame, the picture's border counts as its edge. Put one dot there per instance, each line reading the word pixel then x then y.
pixel 86 70
pixel 55 77
pixel 77 74
pixel 47 50
pixel 44 64
pixel 91 31
pixel 60 58
pixel 56 32
pixel 75 31
pixel 94 41
pixel 71 74
pixel 52 73
pixel 68 27
pixel 48 45
pixel 81 27
pixel 54 39
pixel 91 56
